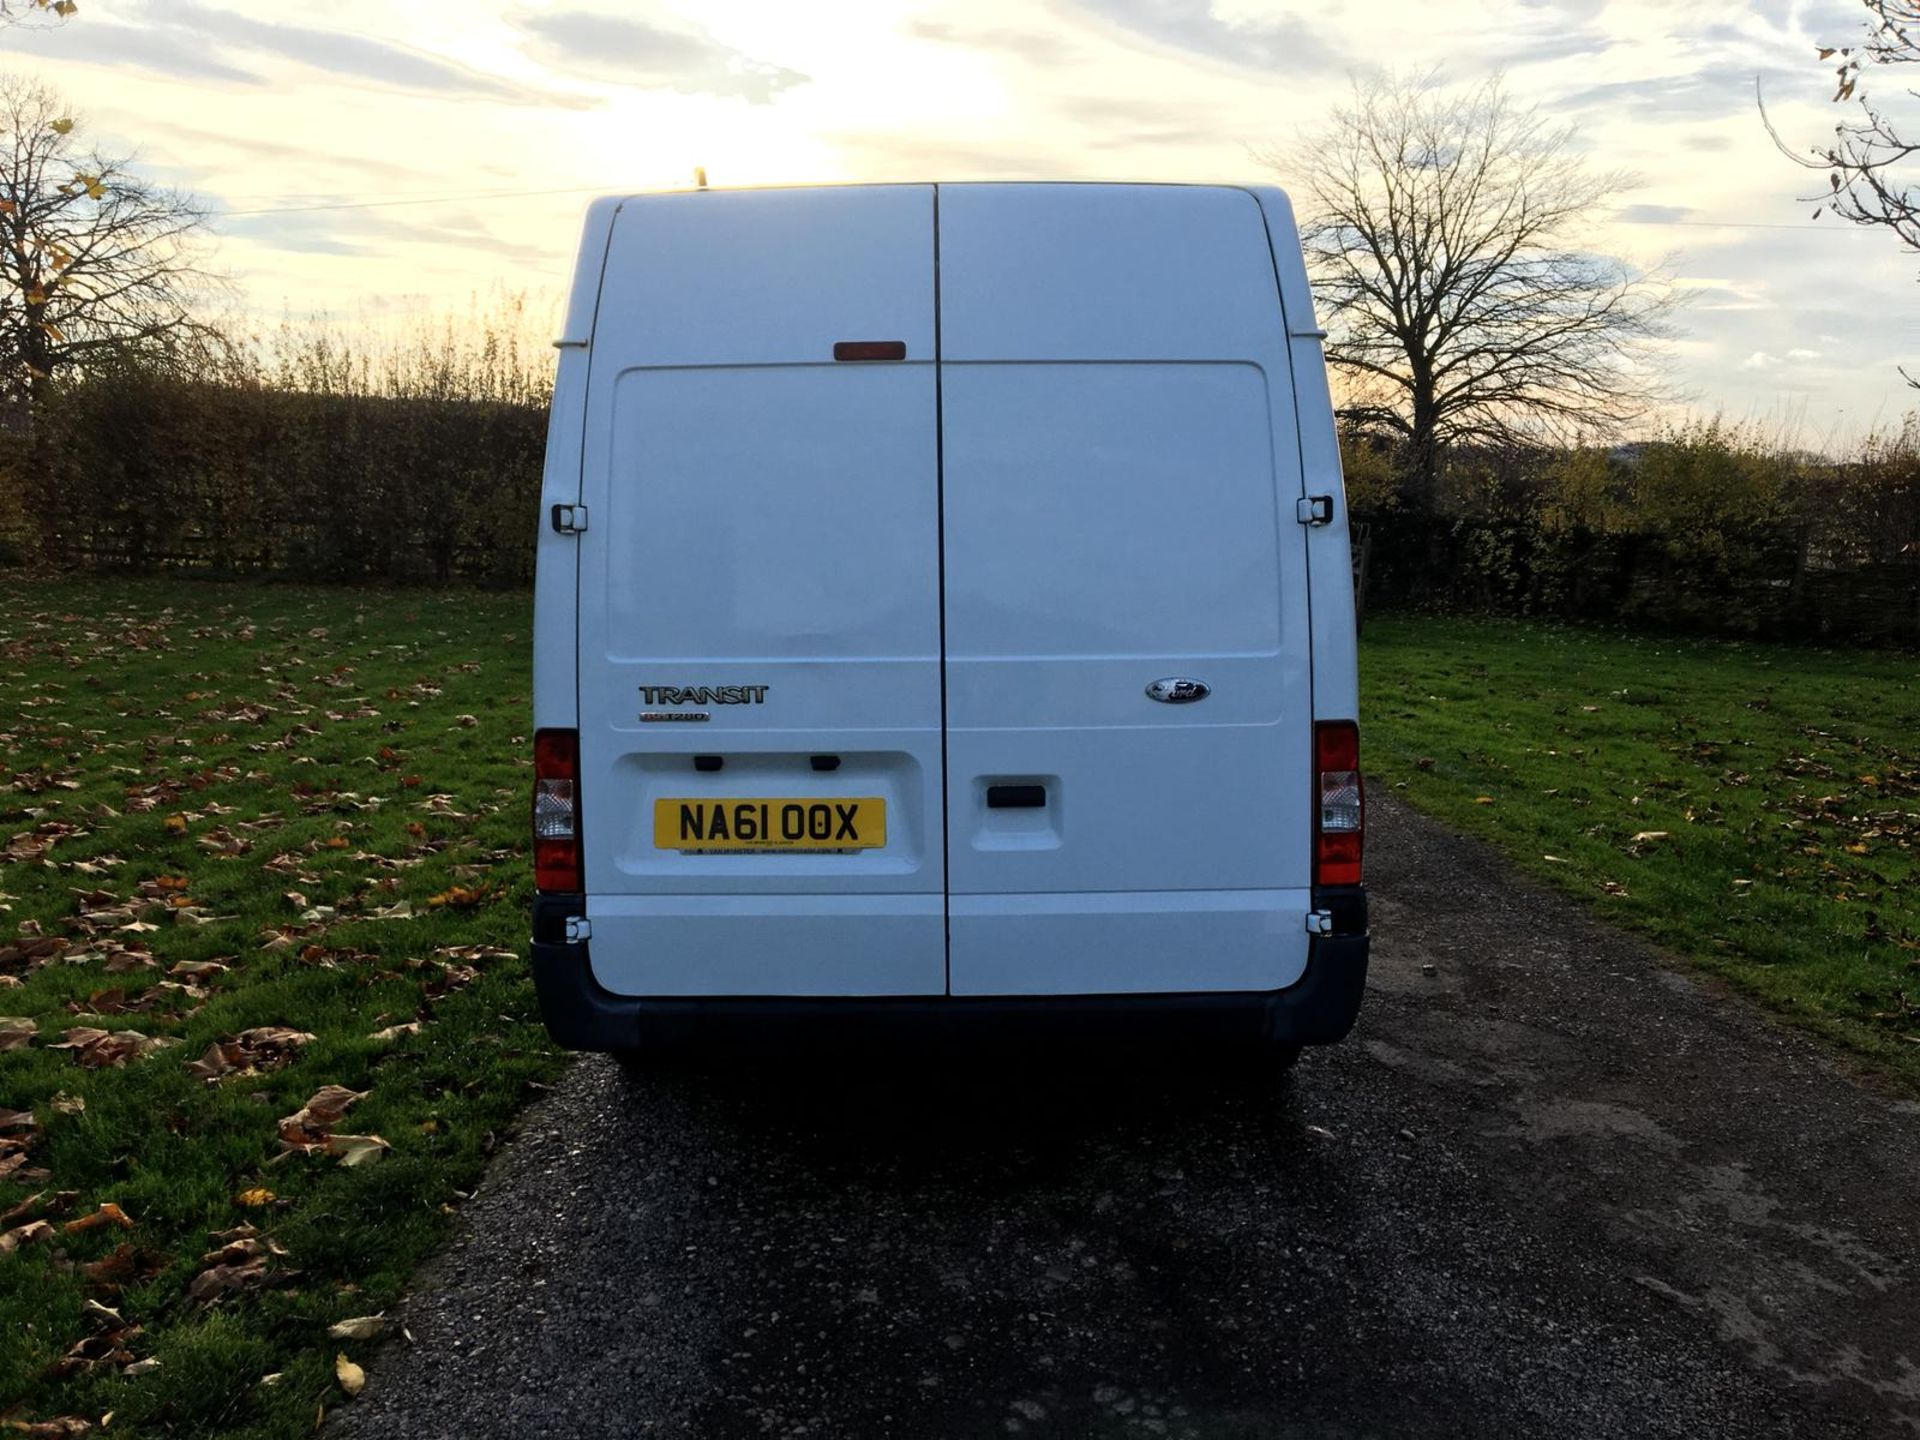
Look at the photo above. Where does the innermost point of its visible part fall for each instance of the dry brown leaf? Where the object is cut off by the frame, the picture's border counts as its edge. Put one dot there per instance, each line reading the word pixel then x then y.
pixel 218 1280
pixel 357 1149
pixel 107 1214
pixel 61 1427
pixel 254 1198
pixel 360 1327
pixel 124 1265
pixel 308 1128
pixel 197 970
pixel 264 1047
pixel 16 1032
pixel 97 1049
pixel 28 1234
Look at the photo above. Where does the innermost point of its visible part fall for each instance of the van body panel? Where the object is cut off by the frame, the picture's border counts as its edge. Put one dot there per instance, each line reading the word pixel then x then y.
pixel 1336 672
pixel 1120 474
pixel 764 528
pixel 790 944
pixel 1031 573
pixel 556 594
pixel 1132 942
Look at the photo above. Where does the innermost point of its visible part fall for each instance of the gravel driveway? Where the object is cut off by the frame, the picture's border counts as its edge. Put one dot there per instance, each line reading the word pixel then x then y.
pixel 1553 1187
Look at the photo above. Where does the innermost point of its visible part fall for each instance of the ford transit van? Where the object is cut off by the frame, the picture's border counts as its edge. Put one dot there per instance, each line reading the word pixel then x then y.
pixel 944 612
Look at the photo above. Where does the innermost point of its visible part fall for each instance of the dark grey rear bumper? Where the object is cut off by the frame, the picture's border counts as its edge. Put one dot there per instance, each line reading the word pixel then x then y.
pixel 1318 1009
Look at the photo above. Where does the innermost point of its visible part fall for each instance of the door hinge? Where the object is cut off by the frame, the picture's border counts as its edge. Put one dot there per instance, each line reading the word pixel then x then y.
pixel 570 519
pixel 578 928
pixel 1319 922
pixel 1315 510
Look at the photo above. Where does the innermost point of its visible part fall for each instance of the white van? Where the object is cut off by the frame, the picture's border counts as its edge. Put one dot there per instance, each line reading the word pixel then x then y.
pixel 944 611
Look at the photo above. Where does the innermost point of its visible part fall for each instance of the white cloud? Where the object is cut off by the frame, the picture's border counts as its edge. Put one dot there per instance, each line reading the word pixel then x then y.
pixel 276 105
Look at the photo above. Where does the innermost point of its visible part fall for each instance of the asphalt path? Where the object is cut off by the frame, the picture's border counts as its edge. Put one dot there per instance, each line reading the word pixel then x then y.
pixel 1553 1185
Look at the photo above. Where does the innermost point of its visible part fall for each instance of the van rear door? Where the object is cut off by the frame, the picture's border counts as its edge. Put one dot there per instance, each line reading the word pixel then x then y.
pixel 759 615
pixel 1121 471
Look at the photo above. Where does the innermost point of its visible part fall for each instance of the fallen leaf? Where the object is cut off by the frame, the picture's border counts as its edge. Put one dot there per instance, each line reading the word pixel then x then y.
pixel 351 1377
pixel 264 1047
pixel 1483 799
pixel 197 969
pixel 308 1127
pixel 30 1233
pixel 254 1198
pixel 356 1149
pixel 124 1265
pixel 16 1032
pixel 97 1049
pixel 218 1280
pixel 1643 837
pixel 107 1214
pixel 63 1427
pixel 360 1327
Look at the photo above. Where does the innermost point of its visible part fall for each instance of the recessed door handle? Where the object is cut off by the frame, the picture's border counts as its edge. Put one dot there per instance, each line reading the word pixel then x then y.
pixel 1016 797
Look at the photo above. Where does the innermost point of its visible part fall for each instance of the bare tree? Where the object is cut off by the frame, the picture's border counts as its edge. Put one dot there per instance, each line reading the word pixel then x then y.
pixel 1864 162
pixel 1444 236
pixel 96 263
pixel 15 11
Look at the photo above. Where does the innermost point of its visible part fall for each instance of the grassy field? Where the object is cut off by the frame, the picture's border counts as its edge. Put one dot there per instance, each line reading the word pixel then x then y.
pixel 254 842
pixel 1754 807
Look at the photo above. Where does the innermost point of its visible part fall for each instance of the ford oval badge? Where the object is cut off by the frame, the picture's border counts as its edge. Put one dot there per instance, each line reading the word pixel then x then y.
pixel 1176 691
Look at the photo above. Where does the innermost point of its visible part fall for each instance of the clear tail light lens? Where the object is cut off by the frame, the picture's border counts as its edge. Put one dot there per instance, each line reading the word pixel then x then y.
pixel 1340 819
pixel 556 810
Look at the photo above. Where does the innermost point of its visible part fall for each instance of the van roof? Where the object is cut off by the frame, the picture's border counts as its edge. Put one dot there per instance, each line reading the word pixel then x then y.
pixel 624 195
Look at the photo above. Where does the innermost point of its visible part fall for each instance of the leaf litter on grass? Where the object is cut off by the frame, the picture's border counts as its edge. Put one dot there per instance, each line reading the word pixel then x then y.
pixel 1777 841
pixel 205 752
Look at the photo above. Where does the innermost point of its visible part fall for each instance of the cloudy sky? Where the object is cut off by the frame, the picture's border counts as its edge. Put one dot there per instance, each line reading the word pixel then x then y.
pixel 368 158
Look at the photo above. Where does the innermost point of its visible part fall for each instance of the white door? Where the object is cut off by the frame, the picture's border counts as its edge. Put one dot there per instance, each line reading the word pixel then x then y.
pixel 762 551
pixel 1120 477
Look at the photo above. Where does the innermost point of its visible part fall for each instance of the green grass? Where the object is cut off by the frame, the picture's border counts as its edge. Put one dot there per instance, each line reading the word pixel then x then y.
pixel 357 750
pixel 1754 807
pixel 360 749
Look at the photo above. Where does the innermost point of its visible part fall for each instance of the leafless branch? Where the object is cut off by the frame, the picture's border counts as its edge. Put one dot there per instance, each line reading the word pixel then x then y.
pixel 1866 162
pixel 1443 234
pixel 96 262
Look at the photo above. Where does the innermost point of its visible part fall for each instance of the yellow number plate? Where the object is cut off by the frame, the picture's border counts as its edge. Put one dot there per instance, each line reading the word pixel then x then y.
pixel 788 822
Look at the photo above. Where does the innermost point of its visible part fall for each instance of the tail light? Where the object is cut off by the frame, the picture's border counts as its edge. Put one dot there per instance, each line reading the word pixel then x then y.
pixel 556 810
pixel 1339 829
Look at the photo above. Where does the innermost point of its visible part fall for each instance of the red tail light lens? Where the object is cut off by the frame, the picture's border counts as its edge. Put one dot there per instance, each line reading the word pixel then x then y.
pixel 556 810
pixel 1339 830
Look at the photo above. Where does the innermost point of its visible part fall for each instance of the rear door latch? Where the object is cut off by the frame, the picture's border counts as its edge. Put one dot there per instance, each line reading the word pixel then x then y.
pixel 570 519
pixel 1319 922
pixel 578 928
pixel 1315 510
